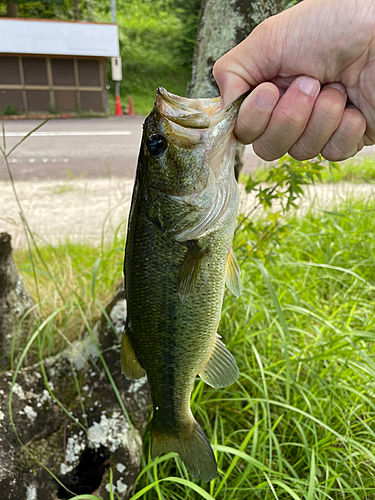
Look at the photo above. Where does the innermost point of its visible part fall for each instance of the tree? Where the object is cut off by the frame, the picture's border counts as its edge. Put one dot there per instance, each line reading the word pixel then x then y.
pixel 11 9
pixel 222 26
pixel 40 9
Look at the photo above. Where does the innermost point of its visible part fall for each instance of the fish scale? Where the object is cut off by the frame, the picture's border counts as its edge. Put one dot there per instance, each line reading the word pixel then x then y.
pixel 175 284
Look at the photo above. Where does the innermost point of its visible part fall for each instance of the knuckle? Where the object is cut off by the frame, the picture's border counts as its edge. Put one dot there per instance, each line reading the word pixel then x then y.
pixel 334 155
pixel 300 153
pixel 344 142
pixel 361 125
pixel 264 152
pixel 330 155
pixel 243 138
pixel 333 152
pixel 330 109
pixel 221 68
pixel 293 123
pixel 246 132
pixel 361 145
pixel 353 122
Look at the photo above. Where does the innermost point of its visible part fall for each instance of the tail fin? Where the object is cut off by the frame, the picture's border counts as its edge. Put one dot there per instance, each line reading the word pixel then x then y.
pixel 193 448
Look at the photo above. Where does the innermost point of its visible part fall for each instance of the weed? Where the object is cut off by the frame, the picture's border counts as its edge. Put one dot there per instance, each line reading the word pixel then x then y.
pixel 299 423
pixel 63 188
pixel 356 170
pixel 10 110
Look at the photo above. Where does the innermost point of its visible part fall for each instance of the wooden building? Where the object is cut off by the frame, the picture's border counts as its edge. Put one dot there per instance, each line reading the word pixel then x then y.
pixel 54 66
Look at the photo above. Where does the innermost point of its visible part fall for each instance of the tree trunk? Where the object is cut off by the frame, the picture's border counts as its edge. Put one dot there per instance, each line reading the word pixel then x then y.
pixel 223 25
pixel 12 9
pixel 78 379
pixel 76 9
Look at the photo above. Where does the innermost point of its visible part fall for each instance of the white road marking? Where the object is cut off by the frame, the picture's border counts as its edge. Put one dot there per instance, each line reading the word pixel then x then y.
pixel 39 160
pixel 70 133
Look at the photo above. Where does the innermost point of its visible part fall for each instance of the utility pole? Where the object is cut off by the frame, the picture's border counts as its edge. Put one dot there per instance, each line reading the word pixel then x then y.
pixel 113 10
pixel 116 67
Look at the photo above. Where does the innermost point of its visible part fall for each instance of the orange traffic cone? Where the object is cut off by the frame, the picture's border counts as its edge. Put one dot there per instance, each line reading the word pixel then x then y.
pixel 118 108
pixel 131 108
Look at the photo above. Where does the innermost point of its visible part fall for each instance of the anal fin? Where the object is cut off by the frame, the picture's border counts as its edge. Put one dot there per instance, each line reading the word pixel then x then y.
pixel 189 271
pixel 129 363
pixel 221 368
pixel 233 274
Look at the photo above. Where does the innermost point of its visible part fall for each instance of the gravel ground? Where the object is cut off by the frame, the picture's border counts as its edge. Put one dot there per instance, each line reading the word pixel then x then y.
pixel 81 210
pixel 85 211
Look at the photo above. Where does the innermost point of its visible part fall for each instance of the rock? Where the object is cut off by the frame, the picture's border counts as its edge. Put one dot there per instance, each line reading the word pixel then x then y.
pixel 82 436
pixel 15 300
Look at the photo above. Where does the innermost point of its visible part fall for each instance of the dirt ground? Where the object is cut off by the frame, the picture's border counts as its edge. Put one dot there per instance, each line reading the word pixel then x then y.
pixel 88 205
pixel 85 211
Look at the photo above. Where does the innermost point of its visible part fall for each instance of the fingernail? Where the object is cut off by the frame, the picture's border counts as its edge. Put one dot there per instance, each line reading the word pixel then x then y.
pixel 337 86
pixel 266 98
pixel 309 85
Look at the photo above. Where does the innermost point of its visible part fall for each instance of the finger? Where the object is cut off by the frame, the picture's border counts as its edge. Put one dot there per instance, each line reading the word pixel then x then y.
pixel 325 119
pixel 347 139
pixel 367 141
pixel 288 119
pixel 255 112
pixel 366 100
pixel 361 145
pixel 231 84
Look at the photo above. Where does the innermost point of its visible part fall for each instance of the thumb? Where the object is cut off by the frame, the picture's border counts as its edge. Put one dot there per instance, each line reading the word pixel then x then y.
pixel 248 64
pixel 230 83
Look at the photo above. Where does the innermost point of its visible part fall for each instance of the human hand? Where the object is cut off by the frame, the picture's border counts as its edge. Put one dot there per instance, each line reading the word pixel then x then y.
pixel 313 67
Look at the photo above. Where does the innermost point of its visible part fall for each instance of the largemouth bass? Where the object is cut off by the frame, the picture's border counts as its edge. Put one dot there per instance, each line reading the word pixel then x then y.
pixel 178 258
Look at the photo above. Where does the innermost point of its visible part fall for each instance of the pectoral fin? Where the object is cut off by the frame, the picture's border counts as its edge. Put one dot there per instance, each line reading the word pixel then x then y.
pixel 221 369
pixel 129 363
pixel 233 274
pixel 189 271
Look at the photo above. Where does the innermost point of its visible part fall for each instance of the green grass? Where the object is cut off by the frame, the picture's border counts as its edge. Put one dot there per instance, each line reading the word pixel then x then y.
pixel 299 423
pixel 63 188
pixel 357 170
pixel 82 273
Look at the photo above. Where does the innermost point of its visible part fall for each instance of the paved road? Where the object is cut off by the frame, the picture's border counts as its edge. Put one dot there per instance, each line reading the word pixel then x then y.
pixel 73 148
pixel 78 148
pixel 82 148
pixel 85 171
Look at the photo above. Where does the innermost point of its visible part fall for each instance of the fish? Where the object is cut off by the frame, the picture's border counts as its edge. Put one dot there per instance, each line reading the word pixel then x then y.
pixel 178 258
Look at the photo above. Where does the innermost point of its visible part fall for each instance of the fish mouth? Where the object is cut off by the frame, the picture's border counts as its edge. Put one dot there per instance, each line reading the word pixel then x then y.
pixel 201 121
pixel 196 113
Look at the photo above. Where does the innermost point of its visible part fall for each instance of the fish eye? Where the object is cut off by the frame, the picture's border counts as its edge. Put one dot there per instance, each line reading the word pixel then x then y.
pixel 156 144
